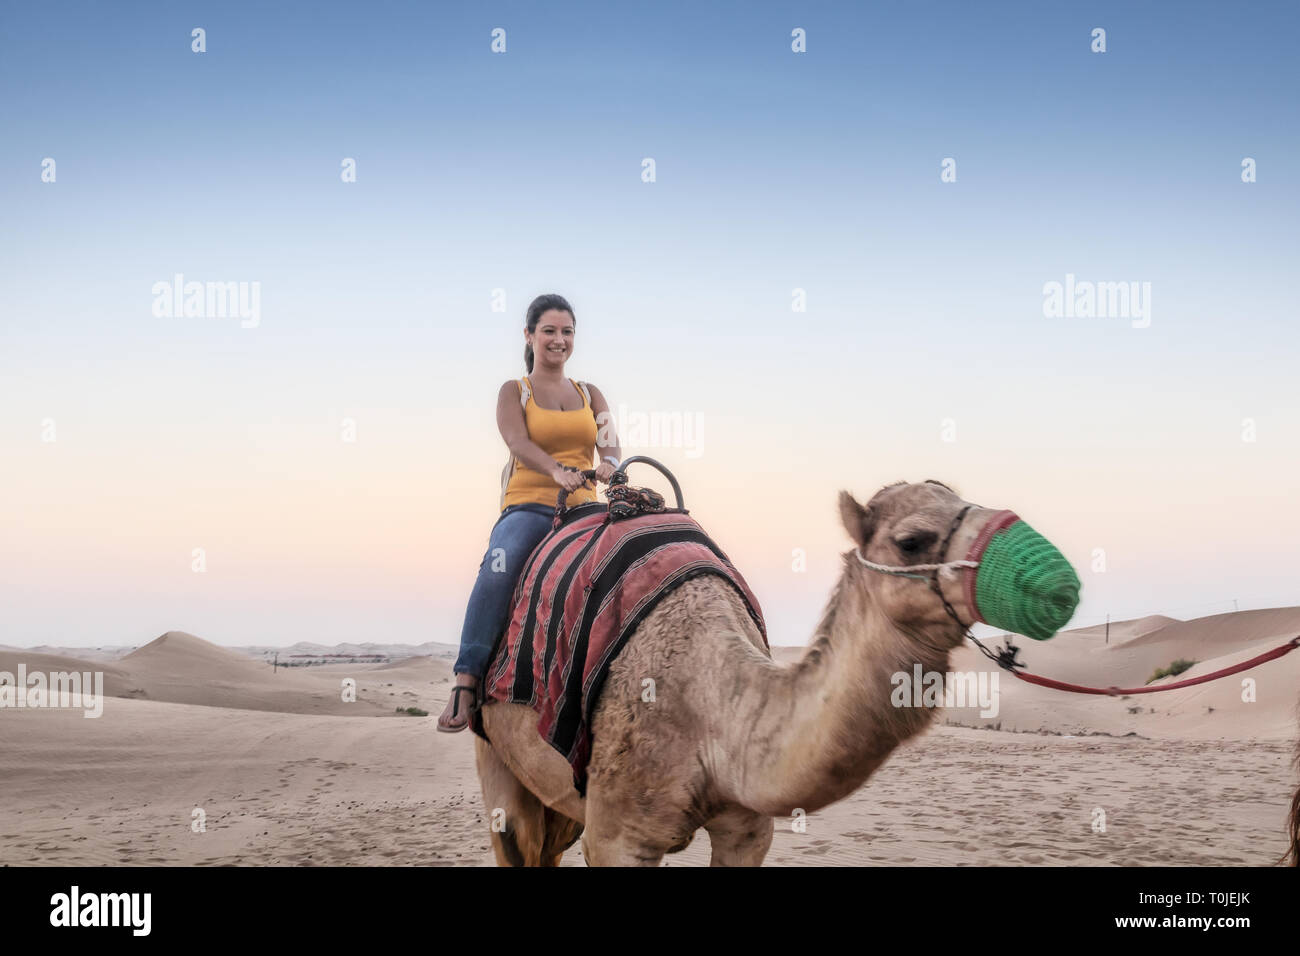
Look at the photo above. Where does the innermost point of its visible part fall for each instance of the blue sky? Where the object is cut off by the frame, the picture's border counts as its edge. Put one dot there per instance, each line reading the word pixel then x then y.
pixel 522 171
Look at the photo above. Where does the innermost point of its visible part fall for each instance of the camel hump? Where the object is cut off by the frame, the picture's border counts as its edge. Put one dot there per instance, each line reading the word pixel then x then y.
pixel 600 574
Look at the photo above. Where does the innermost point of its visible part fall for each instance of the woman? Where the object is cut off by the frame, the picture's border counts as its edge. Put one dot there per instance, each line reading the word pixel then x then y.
pixel 549 424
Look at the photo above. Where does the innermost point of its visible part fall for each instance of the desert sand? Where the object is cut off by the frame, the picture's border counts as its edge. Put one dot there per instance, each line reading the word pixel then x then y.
pixel 280 770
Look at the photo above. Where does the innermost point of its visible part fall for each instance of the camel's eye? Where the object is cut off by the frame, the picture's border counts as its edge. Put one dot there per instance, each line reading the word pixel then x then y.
pixel 916 542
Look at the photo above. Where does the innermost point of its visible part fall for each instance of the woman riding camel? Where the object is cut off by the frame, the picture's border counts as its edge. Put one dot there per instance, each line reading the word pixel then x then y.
pixel 549 424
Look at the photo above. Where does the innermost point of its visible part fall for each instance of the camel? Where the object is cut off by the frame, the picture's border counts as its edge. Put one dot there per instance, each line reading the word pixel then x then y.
pixel 1293 821
pixel 731 739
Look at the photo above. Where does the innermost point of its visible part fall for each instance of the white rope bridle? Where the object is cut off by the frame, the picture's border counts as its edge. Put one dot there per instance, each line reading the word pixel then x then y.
pixel 910 570
pixel 907 571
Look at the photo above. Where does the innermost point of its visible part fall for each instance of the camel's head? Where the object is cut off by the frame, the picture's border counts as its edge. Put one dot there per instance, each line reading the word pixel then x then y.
pixel 1022 583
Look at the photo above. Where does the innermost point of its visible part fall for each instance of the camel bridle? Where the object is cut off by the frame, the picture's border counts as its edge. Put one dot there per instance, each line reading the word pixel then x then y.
pixel 932 575
pixel 1007 654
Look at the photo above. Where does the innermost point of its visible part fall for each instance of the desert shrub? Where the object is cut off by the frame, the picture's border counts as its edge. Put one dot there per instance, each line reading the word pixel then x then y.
pixel 1177 667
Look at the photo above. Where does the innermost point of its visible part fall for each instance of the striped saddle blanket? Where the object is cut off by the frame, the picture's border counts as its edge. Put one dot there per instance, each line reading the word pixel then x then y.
pixel 579 598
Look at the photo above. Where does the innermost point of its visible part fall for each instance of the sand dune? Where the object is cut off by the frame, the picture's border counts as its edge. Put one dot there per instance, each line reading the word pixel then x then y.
pixel 181 668
pixel 292 789
pixel 1214 710
pixel 261 652
pixel 273 788
pixel 1124 630
pixel 179 653
pixel 115 676
pixel 422 666
pixel 1221 631
pixel 285 772
pixel 103 654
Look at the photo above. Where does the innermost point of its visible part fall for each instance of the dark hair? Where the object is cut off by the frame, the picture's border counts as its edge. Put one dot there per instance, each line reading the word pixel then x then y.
pixel 539 306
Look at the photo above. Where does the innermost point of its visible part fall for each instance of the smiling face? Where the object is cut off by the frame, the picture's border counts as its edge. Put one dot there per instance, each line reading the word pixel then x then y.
pixel 907 525
pixel 552 339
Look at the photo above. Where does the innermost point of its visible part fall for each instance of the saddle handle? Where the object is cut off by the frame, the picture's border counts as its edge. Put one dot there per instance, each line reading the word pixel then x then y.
pixel 619 477
pixel 645 460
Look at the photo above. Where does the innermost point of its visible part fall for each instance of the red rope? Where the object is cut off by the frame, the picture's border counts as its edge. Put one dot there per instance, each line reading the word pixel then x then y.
pixel 1277 652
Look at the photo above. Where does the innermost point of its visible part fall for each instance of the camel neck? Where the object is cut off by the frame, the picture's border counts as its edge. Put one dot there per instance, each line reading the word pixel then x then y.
pixel 827 722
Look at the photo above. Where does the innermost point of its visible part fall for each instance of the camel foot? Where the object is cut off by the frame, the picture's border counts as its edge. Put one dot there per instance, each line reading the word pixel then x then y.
pixel 524 831
pixel 740 837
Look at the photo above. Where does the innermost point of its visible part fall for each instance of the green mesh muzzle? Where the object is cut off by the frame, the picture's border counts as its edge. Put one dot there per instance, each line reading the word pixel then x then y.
pixel 1023 584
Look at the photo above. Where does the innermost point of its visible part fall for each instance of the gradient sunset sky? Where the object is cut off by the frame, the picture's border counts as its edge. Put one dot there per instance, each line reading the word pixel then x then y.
pixel 775 171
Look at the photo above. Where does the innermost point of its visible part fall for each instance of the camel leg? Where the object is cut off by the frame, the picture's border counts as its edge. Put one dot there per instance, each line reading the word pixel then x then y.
pixel 607 842
pixel 561 833
pixel 739 838
pixel 517 819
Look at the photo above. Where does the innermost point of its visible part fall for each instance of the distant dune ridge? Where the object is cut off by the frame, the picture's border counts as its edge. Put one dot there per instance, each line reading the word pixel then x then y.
pixel 261 651
pixel 1123 630
pixel 1136 650
pixel 178 667
pixel 183 669
pixel 287 771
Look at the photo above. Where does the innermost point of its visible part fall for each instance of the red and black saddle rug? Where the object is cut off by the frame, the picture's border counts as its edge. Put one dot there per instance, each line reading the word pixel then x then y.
pixel 580 597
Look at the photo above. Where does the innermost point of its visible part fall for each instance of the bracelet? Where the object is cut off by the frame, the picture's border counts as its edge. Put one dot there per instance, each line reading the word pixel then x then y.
pixel 612 460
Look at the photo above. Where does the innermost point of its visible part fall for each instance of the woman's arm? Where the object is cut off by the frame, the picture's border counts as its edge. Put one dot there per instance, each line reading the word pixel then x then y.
pixel 606 436
pixel 514 429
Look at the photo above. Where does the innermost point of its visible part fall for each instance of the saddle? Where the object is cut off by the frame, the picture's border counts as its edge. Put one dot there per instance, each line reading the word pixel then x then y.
pixel 582 594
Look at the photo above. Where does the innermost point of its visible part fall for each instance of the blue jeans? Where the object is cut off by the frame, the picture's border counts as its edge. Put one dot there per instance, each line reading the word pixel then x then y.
pixel 517 532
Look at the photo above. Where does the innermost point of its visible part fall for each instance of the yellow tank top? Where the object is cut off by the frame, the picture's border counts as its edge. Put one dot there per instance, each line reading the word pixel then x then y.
pixel 568 437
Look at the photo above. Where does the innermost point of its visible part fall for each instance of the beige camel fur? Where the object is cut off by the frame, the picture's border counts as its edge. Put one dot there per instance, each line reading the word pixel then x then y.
pixel 698 727
pixel 1293 820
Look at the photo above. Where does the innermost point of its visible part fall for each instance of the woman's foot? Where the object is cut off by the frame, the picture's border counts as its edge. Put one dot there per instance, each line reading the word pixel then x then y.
pixel 455 716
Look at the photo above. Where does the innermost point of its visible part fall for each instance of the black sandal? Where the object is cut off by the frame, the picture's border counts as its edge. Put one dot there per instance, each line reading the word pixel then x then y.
pixel 457 728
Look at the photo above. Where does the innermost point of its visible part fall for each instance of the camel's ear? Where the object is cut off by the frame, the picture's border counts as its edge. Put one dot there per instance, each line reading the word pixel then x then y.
pixel 859 522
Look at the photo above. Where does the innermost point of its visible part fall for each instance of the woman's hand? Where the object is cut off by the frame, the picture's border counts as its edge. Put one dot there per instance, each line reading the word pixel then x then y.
pixel 603 471
pixel 570 479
